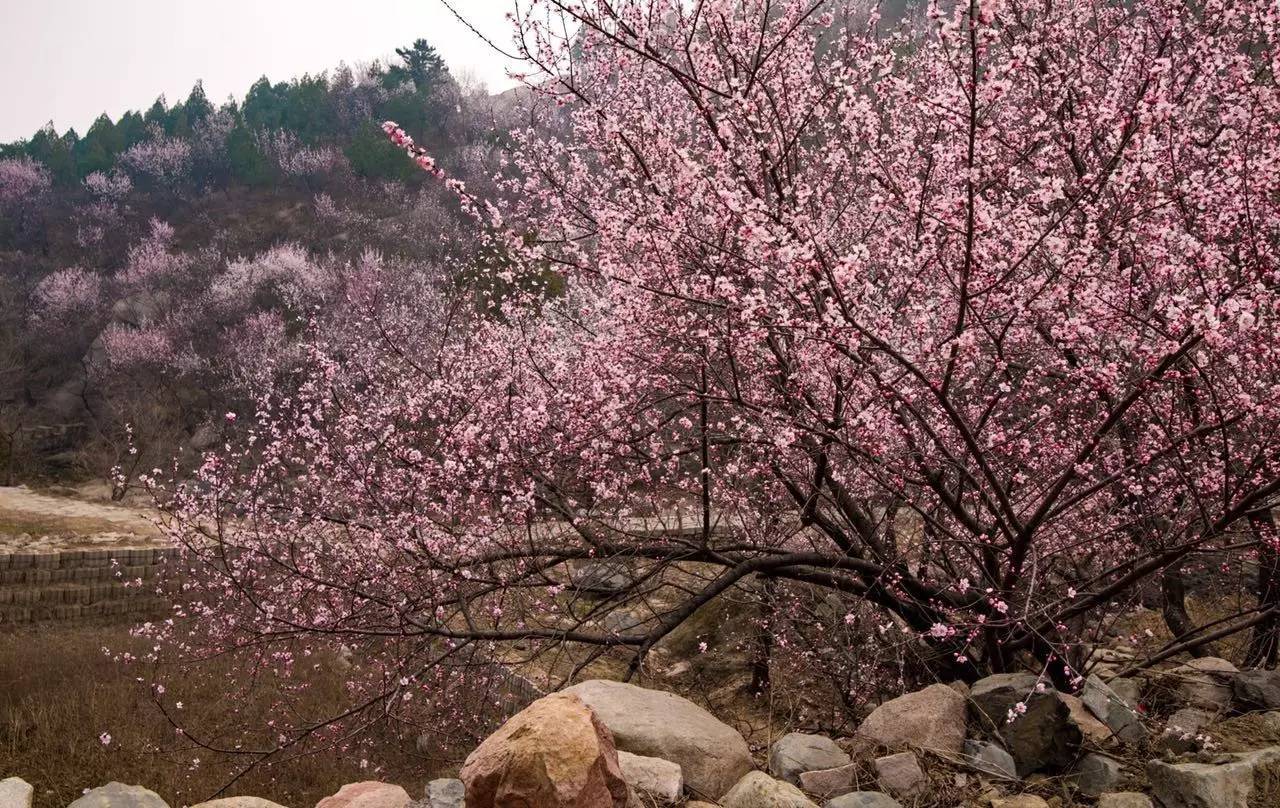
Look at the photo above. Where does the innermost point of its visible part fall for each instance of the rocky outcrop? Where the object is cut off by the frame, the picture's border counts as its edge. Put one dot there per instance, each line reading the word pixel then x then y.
pixel 119 795
pixel 367 794
pixel 1247 780
pixel 759 790
pixel 932 719
pixel 798 752
pixel 555 753
pixel 712 755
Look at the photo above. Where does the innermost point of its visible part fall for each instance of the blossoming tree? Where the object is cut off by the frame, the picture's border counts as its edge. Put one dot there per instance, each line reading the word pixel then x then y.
pixel 970 327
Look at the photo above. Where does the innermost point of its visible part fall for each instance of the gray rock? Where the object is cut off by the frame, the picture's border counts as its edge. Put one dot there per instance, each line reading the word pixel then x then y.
pixel 1110 708
pixel 659 779
pixel 712 755
pixel 759 790
pixel 620 621
pixel 1097 774
pixel 446 792
pixel 1205 683
pixel 1129 690
pixel 119 795
pixel 15 793
pixel 602 577
pixel 931 719
pixel 1125 799
pixel 1180 731
pixel 827 783
pixel 901 775
pixel 863 799
pixel 989 757
pixel 798 752
pixel 1245 780
pixel 1257 690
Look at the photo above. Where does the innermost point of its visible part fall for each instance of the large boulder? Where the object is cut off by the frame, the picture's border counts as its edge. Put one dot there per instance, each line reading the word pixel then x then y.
pixel 554 753
pixel 1248 780
pixel 119 795
pixel 1257 690
pixel 932 719
pixel 712 755
pixel 1113 710
pixel 367 794
pixel 660 780
pixel 1041 734
pixel 798 752
pixel 759 790
pixel 15 793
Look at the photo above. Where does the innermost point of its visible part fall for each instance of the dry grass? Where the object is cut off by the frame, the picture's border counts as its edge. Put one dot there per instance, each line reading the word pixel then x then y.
pixel 59 692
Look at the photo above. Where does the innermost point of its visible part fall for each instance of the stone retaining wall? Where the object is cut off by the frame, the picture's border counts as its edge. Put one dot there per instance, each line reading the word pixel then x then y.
pixel 75 584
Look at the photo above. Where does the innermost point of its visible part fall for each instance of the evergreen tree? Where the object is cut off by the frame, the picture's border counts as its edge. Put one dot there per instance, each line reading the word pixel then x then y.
pixel 98 149
pixel 131 129
pixel 157 115
pixel 423 67
pixel 197 105
pixel 247 164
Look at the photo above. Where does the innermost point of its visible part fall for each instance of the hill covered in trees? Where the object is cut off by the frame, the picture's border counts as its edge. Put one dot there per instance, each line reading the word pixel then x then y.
pixel 138 258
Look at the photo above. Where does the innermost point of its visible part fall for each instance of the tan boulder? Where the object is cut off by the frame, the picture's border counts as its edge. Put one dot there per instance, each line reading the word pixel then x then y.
pixel 239 802
pixel 759 790
pixel 555 753
pixel 367 794
pixel 932 719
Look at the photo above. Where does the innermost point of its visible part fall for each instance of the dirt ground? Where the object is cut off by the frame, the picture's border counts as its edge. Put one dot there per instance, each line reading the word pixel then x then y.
pixel 71 518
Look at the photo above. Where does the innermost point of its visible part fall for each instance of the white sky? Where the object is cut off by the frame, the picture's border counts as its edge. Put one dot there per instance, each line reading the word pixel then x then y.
pixel 70 60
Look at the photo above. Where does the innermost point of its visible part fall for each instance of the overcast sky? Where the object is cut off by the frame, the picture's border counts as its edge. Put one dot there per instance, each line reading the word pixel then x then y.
pixel 70 60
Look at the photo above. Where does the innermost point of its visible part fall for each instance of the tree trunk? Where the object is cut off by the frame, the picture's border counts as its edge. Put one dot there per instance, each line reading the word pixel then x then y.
pixel 1176 617
pixel 1264 644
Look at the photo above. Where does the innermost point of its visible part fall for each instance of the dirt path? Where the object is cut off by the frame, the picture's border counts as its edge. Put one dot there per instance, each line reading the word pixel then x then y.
pixel 34 521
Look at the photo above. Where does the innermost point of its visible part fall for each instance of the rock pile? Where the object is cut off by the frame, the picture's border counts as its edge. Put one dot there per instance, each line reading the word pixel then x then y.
pixel 603 744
